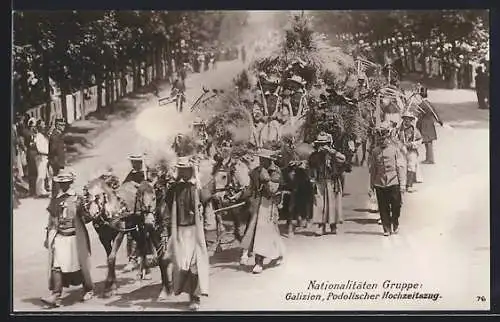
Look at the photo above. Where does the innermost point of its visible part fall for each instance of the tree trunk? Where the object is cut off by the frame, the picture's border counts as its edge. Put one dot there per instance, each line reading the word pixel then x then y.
pixel 425 53
pixel 47 96
pixel 98 79
pixel 134 75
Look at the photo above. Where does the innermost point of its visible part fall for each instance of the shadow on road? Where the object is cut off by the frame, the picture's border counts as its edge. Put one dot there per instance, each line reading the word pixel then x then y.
pixel 146 293
pixel 376 233
pixel 118 267
pixel 364 221
pixel 74 295
pixel 371 211
pixel 229 255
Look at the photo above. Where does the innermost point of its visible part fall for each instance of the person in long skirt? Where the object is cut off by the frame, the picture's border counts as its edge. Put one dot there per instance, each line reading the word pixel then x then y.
pixel 186 247
pixel 410 139
pixel 325 165
pixel 262 236
pixel 68 243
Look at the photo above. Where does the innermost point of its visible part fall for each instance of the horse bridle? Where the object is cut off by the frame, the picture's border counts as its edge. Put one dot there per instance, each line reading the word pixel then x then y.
pixel 101 218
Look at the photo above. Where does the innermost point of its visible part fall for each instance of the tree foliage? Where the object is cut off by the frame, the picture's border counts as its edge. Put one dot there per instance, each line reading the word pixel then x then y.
pixel 79 48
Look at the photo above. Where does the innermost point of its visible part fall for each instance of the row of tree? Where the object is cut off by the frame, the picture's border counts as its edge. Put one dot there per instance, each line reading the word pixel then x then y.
pixel 452 36
pixel 71 50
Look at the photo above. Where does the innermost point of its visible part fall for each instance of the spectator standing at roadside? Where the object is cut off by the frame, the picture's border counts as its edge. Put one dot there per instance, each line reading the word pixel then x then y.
pixel 57 152
pixel 42 161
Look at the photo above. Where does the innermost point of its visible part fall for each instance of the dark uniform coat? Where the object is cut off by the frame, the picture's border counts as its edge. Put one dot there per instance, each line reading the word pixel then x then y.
pixel 426 120
pixel 135 176
pixel 57 151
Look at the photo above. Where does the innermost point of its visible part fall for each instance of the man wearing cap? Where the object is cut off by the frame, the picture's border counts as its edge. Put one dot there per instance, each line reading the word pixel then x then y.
pixel 138 175
pixel 31 155
pixel 68 243
pixel 186 251
pixel 388 178
pixel 57 151
pixel 325 165
pixel 425 124
pixel 262 236
pixel 411 139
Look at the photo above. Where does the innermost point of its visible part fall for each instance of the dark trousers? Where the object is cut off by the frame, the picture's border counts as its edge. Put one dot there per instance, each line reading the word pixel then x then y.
pixel 32 175
pixel 389 205
pixel 429 152
pixel 481 99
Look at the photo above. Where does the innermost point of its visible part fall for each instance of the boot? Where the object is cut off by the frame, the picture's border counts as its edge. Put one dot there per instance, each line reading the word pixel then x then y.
pixel 164 294
pixel 333 228
pixel 194 300
pixel 259 264
pixel 87 295
pixel 52 301
pixel 244 258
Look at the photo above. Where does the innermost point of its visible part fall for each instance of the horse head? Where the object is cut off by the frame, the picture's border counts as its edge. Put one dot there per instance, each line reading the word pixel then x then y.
pixel 99 199
pixel 146 198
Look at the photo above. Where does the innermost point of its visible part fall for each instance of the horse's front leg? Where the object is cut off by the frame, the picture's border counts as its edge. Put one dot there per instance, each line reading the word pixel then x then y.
pixel 110 284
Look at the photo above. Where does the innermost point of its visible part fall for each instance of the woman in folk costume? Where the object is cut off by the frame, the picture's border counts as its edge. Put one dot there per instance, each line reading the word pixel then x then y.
pixel 187 250
pixel 68 243
pixel 411 139
pixel 325 165
pixel 262 236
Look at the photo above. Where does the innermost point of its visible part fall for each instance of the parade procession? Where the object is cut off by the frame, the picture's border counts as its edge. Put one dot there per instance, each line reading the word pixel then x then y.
pixel 250 166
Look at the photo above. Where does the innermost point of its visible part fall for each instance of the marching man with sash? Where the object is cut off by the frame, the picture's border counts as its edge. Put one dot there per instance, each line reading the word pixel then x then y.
pixel 187 250
pixel 68 243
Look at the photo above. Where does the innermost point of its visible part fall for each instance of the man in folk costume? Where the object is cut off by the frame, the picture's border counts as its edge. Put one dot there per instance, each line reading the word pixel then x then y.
pixel 325 165
pixel 138 175
pixel 411 139
pixel 425 124
pixel 388 178
pixel 187 250
pixel 68 243
pixel 262 236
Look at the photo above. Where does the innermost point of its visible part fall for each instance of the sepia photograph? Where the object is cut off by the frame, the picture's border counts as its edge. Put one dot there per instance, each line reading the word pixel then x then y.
pixel 177 161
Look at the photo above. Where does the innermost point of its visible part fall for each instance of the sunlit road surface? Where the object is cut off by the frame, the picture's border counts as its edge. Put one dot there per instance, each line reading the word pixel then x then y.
pixel 443 244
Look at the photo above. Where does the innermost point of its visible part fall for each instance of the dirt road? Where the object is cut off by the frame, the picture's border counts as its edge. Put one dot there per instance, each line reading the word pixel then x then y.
pixel 443 245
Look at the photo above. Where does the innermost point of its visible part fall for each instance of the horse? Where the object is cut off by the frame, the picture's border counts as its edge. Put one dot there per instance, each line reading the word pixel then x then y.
pixel 219 193
pixel 114 213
